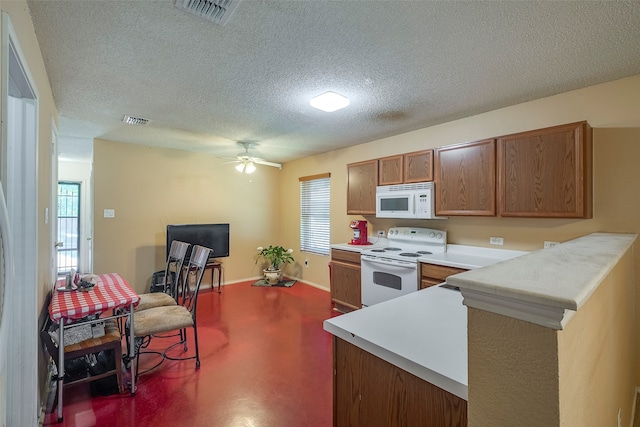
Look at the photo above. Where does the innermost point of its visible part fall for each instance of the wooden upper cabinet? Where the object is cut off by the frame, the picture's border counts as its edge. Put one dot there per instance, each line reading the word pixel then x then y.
pixel 465 181
pixel 418 166
pixel 546 173
pixel 362 179
pixel 406 168
pixel 390 170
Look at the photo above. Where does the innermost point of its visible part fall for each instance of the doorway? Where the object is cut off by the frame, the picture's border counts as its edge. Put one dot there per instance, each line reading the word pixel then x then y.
pixel 69 203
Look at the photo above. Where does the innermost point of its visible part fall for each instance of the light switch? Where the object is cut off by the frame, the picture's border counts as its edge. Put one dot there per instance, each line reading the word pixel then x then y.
pixel 109 213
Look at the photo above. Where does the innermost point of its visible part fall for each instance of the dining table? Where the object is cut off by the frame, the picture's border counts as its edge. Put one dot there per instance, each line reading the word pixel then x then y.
pixel 111 297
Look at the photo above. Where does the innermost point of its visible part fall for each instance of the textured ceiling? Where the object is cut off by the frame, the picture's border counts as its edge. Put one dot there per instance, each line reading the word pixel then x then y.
pixel 405 65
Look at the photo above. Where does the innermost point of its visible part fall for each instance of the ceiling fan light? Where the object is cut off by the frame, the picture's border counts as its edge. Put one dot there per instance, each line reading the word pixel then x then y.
pixel 240 167
pixel 329 102
pixel 251 168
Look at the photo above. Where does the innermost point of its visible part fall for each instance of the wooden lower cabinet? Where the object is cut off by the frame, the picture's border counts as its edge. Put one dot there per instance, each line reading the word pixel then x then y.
pixel 432 274
pixel 368 391
pixel 346 280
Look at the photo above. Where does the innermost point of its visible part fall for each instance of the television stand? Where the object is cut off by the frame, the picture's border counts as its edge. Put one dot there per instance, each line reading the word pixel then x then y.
pixel 215 265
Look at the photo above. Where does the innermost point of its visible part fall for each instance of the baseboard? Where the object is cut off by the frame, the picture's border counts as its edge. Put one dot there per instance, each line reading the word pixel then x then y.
pixel 253 279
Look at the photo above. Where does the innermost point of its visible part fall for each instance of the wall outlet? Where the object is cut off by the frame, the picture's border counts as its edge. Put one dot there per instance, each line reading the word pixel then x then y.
pixel 496 241
pixel 109 213
pixel 380 233
pixel 548 244
pixel 306 263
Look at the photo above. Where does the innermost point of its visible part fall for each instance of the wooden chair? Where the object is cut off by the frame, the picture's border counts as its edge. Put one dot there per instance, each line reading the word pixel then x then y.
pixel 160 320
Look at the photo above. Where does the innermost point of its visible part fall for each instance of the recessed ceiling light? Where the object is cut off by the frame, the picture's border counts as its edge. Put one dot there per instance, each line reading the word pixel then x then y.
pixel 329 102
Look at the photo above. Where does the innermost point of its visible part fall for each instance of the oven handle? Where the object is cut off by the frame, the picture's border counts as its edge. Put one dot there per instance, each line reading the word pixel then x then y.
pixel 376 260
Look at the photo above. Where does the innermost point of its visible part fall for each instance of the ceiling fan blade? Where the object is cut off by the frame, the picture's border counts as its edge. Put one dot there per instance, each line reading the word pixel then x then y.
pixel 265 163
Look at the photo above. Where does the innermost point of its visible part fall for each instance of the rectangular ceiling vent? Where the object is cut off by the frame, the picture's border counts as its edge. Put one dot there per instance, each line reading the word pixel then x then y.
pixel 130 120
pixel 218 11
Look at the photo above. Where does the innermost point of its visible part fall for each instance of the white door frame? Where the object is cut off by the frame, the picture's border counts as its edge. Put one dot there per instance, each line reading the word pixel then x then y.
pixel 52 215
pixel 19 168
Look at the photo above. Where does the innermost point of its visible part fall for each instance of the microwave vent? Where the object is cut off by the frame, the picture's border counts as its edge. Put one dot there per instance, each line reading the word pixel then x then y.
pixel 217 11
pixel 407 187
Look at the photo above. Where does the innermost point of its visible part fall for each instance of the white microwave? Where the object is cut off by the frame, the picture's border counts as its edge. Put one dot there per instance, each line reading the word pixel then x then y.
pixel 405 201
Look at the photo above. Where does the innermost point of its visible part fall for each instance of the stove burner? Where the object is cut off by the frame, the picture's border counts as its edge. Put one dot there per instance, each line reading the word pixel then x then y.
pixel 424 252
pixel 409 254
pixel 377 250
pixel 392 249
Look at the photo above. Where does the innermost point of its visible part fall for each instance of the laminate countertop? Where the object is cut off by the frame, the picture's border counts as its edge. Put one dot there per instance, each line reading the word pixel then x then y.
pixel 548 286
pixel 424 333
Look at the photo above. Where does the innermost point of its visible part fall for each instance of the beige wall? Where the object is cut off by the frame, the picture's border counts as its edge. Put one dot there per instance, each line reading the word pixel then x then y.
pixel 23 27
pixel 596 354
pixel 150 188
pixel 528 375
pixel 513 372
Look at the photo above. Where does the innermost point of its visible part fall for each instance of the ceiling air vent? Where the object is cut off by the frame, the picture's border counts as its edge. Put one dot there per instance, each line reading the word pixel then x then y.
pixel 135 120
pixel 218 11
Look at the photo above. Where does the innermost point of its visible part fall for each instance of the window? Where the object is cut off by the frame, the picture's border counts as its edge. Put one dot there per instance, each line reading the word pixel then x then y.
pixel 68 226
pixel 314 214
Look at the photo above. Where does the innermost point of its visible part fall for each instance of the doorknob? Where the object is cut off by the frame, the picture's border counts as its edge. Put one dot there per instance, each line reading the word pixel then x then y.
pixel 58 245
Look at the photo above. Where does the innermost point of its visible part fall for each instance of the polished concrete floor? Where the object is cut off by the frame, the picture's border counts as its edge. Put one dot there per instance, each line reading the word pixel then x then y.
pixel 265 361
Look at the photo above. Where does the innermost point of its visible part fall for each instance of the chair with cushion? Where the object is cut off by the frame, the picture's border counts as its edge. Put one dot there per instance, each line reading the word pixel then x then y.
pixel 159 320
pixel 172 273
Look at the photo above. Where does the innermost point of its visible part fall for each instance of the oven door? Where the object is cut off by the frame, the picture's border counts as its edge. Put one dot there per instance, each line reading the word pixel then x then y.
pixel 384 279
pixel 395 204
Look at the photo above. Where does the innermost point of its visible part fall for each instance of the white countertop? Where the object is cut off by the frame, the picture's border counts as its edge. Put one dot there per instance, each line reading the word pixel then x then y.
pixel 547 286
pixel 458 256
pixel 470 257
pixel 424 333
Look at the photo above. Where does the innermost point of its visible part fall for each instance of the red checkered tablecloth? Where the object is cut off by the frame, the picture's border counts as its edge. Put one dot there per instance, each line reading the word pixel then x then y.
pixel 110 291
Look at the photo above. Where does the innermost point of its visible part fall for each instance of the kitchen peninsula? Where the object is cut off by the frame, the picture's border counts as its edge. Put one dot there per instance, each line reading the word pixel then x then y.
pixel 519 369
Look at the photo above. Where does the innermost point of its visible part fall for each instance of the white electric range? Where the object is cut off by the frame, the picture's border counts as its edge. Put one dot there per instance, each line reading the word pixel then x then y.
pixel 392 271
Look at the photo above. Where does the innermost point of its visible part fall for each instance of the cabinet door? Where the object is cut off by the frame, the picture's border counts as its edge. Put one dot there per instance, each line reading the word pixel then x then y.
pixel 390 170
pixel 345 284
pixel 418 166
pixel 465 181
pixel 546 173
pixel 362 179
pixel 369 391
pixel 432 274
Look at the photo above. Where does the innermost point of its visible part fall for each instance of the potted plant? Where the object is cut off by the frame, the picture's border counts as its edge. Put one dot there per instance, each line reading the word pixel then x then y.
pixel 275 256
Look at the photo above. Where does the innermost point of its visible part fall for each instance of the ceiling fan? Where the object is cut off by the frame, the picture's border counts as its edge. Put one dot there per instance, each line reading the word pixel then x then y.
pixel 247 163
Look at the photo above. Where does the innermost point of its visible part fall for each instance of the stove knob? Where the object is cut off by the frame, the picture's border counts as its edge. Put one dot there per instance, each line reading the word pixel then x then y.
pixel 432 234
pixel 439 235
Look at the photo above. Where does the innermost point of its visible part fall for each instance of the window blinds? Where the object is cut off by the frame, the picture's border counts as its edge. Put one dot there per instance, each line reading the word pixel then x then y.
pixel 314 214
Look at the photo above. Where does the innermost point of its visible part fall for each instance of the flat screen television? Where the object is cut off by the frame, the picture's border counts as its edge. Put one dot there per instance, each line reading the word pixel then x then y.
pixel 213 236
